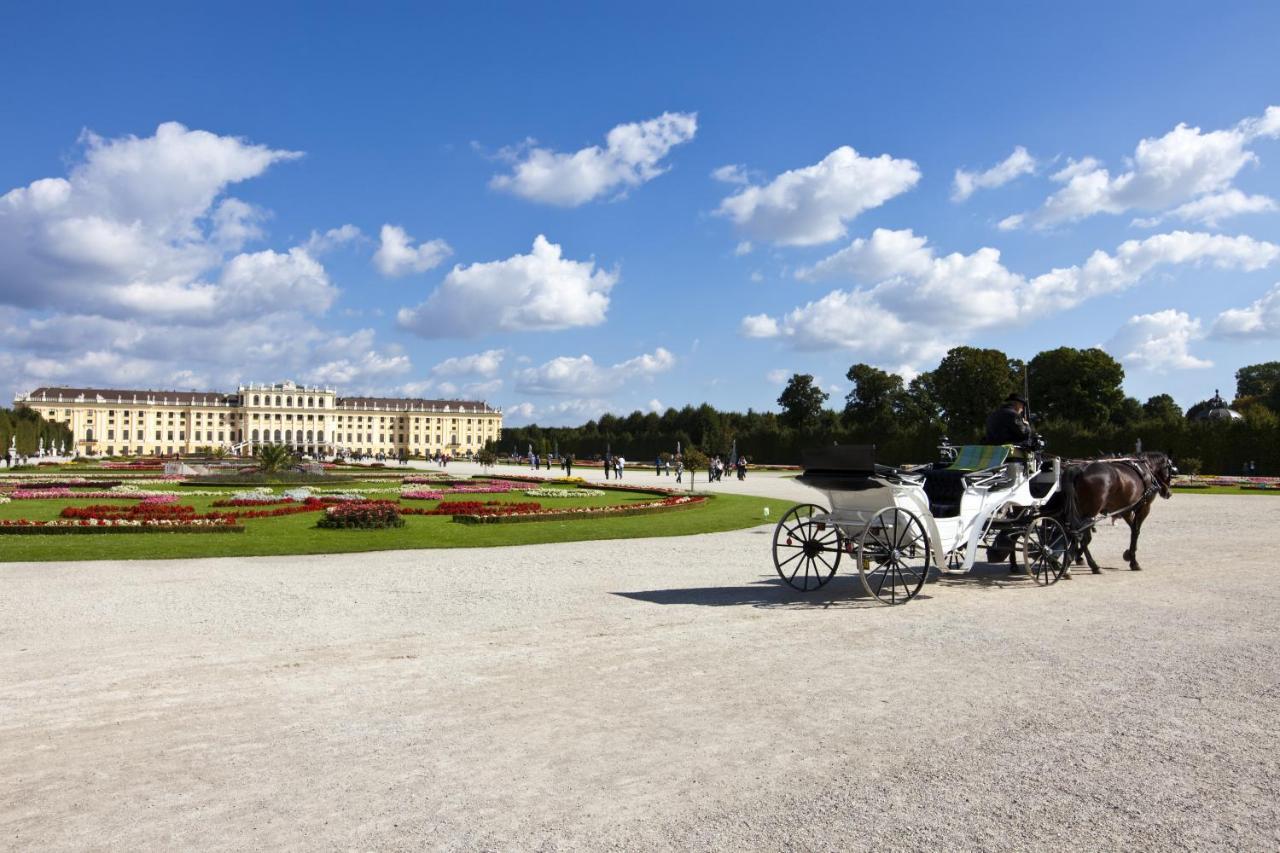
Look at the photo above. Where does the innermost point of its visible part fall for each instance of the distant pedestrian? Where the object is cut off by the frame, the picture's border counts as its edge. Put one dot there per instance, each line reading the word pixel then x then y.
pixel 679 469
pixel 619 463
pixel 608 463
pixel 568 465
pixel 657 466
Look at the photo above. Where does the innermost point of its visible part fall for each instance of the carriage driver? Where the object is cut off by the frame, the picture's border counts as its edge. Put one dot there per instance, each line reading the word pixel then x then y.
pixel 1008 424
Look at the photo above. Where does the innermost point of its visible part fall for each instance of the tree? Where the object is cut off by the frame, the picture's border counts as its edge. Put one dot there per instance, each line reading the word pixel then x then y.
pixel 877 398
pixel 968 383
pixel 693 460
pixel 1162 407
pixel 486 458
pixel 1129 411
pixel 273 458
pixel 802 402
pixel 1257 380
pixel 1080 386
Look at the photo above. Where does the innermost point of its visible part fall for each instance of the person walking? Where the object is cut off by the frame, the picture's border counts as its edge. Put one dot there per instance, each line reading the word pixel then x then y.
pixel 679 469
pixel 568 465
pixel 620 462
pixel 657 466
pixel 608 463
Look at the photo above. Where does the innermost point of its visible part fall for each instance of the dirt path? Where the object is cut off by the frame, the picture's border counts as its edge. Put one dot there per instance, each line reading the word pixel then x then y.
pixel 645 694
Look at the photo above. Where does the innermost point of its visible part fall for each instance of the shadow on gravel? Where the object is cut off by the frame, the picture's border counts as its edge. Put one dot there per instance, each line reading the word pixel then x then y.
pixel 842 591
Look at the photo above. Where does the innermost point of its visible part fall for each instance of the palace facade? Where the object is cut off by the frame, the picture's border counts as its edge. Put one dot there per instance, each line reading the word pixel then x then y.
pixel 313 420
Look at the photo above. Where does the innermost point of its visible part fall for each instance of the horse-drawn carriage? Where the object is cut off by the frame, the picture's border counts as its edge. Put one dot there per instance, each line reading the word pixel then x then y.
pixel 899 523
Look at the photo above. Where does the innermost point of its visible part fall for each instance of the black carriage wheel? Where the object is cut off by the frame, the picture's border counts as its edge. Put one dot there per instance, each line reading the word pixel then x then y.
pixel 1045 546
pixel 806 547
pixel 894 555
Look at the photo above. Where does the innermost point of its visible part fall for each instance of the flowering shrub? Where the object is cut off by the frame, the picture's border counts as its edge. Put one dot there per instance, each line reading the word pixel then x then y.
pixel 361 515
pixel 564 493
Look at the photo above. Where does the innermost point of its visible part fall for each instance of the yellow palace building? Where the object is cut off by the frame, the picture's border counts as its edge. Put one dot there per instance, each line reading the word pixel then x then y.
pixel 313 420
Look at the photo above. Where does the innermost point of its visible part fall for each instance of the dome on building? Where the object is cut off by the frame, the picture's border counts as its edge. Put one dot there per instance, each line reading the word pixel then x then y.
pixel 1218 410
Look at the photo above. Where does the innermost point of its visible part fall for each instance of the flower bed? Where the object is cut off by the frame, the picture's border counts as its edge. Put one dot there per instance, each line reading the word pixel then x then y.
pixel 118 525
pixel 456 508
pixel 421 495
pixel 73 483
pixel 564 493
pixel 362 515
pixel 136 512
pixel 664 505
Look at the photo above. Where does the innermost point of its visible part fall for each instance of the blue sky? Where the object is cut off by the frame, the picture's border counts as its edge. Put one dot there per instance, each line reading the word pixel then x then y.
pixel 243 193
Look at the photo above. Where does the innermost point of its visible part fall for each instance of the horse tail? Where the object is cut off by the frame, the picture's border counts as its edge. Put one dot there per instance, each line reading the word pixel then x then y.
pixel 1070 504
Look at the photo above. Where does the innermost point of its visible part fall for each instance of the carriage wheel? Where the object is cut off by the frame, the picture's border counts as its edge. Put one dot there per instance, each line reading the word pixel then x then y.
pixel 894 555
pixel 806 547
pixel 1045 547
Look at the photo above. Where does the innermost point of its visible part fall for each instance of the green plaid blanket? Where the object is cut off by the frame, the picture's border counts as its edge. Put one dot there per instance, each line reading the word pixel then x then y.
pixel 976 457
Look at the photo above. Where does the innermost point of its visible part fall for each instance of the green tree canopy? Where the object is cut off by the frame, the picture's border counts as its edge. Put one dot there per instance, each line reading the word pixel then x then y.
pixel 1077 385
pixel 802 402
pixel 877 399
pixel 1162 407
pixel 969 383
pixel 1257 380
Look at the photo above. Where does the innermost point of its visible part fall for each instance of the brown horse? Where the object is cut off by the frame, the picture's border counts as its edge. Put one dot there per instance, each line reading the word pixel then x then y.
pixel 1106 488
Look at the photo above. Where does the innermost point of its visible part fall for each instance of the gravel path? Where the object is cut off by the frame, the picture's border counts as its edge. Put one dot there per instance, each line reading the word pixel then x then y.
pixel 645 694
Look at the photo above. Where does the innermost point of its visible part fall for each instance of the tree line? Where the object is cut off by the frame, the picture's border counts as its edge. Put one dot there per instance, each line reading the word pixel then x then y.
pixel 1077 395
pixel 28 428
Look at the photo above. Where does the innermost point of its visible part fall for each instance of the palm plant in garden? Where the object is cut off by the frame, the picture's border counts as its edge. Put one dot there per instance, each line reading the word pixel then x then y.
pixel 273 458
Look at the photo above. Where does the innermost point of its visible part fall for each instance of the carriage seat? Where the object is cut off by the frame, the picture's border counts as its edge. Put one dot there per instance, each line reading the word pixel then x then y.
pixel 945 486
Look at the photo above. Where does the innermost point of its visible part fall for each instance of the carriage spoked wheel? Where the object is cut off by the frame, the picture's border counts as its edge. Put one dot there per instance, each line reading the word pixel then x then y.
pixel 806 547
pixel 1045 546
pixel 894 555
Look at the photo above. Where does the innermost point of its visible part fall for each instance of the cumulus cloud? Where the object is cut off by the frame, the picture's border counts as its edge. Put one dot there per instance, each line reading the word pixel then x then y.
pixel 1210 209
pixel 632 155
pixel 731 174
pixel 914 303
pixel 1184 165
pixel 136 227
pixel 1261 319
pixel 397 255
pixel 1158 342
pixel 559 413
pixel 581 374
pixel 540 291
pixel 812 205
pixel 128 271
pixel 486 363
pixel 318 244
pixel 1019 163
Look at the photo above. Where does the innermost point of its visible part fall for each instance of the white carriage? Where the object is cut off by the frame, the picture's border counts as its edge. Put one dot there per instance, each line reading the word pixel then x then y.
pixel 900 525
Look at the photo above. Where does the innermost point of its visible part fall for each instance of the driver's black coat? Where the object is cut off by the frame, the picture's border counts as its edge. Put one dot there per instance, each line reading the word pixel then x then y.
pixel 1006 426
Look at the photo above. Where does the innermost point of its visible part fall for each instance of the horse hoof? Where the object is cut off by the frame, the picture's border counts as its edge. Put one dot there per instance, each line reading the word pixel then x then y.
pixel 1135 568
pixel 1095 570
pixel 1066 576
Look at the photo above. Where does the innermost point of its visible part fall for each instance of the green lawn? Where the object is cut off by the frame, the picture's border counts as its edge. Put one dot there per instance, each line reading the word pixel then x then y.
pixel 297 534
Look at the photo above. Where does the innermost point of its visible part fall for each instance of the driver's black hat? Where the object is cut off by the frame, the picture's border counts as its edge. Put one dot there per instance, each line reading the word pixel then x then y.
pixel 1016 398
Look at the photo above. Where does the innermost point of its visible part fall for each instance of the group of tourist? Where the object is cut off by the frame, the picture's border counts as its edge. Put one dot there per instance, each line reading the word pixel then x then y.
pixel 717 467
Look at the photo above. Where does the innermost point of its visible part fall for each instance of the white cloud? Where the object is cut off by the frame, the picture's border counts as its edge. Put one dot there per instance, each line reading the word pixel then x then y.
pixel 1211 209
pixel 137 227
pixel 1019 163
pixel 1164 172
pixel 397 256
pixel 1158 342
pixel 1261 319
pixel 809 206
pixel 759 326
pixel 743 248
pixel 731 174
pixel 486 363
pixel 633 154
pixel 914 303
pixel 581 375
pixel 560 413
pixel 655 406
pixel 540 291
pixel 318 244
pixel 777 377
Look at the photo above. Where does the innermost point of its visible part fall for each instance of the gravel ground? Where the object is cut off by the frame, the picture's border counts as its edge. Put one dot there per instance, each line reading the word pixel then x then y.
pixel 646 694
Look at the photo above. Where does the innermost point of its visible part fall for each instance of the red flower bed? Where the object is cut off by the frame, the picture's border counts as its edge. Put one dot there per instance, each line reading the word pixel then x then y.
pixel 136 512
pixel 665 505
pixel 473 508
pixel 291 508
